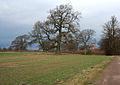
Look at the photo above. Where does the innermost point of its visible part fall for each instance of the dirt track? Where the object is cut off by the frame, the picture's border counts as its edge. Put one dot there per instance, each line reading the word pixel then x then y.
pixel 112 74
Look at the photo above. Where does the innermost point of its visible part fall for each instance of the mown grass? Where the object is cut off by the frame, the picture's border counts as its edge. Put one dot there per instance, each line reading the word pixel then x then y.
pixel 34 68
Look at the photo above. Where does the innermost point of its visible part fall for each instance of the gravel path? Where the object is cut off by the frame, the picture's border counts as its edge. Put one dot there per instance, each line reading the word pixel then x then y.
pixel 112 74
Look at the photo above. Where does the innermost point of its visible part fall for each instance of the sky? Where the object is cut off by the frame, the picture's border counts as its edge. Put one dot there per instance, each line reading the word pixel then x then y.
pixel 17 17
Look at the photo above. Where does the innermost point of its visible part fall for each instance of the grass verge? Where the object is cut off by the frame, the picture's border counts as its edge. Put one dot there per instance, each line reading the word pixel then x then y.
pixel 90 75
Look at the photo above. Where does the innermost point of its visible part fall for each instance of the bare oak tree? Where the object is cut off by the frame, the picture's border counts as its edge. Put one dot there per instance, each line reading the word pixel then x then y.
pixel 20 43
pixel 85 36
pixel 110 41
pixel 43 35
pixel 61 21
pixel 64 20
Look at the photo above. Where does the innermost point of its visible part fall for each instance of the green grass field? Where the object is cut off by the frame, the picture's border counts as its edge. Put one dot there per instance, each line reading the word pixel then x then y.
pixel 35 68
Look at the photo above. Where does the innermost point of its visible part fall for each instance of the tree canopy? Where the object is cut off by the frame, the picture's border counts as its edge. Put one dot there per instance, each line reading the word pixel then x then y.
pixel 61 21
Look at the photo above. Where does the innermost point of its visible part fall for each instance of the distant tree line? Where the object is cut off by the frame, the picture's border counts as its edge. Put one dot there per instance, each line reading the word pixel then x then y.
pixel 3 49
pixel 60 32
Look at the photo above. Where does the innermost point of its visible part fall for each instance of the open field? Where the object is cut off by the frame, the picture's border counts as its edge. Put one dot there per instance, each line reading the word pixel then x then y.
pixel 35 68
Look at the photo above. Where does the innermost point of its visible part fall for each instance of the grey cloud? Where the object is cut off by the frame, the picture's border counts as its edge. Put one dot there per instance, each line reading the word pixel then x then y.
pixel 18 16
pixel 9 31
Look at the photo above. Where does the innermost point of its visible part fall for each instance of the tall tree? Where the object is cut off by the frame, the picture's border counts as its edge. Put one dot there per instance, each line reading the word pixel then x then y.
pixel 61 21
pixel 110 41
pixel 84 37
pixel 65 20
pixel 20 43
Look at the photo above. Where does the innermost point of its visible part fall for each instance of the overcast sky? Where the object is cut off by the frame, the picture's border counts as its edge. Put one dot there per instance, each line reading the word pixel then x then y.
pixel 17 17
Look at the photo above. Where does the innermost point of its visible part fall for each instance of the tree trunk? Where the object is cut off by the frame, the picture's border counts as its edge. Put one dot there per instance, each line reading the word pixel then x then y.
pixel 58 48
pixel 85 51
pixel 59 42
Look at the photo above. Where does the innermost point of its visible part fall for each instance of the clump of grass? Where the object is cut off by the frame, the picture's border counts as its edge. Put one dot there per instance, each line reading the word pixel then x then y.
pixel 89 76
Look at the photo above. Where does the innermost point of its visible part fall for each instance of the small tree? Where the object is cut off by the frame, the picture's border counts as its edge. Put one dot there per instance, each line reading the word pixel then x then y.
pixel 84 37
pixel 4 49
pixel 20 43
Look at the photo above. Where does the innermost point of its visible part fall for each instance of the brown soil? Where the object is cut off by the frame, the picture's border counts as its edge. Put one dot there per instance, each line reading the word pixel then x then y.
pixel 112 74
